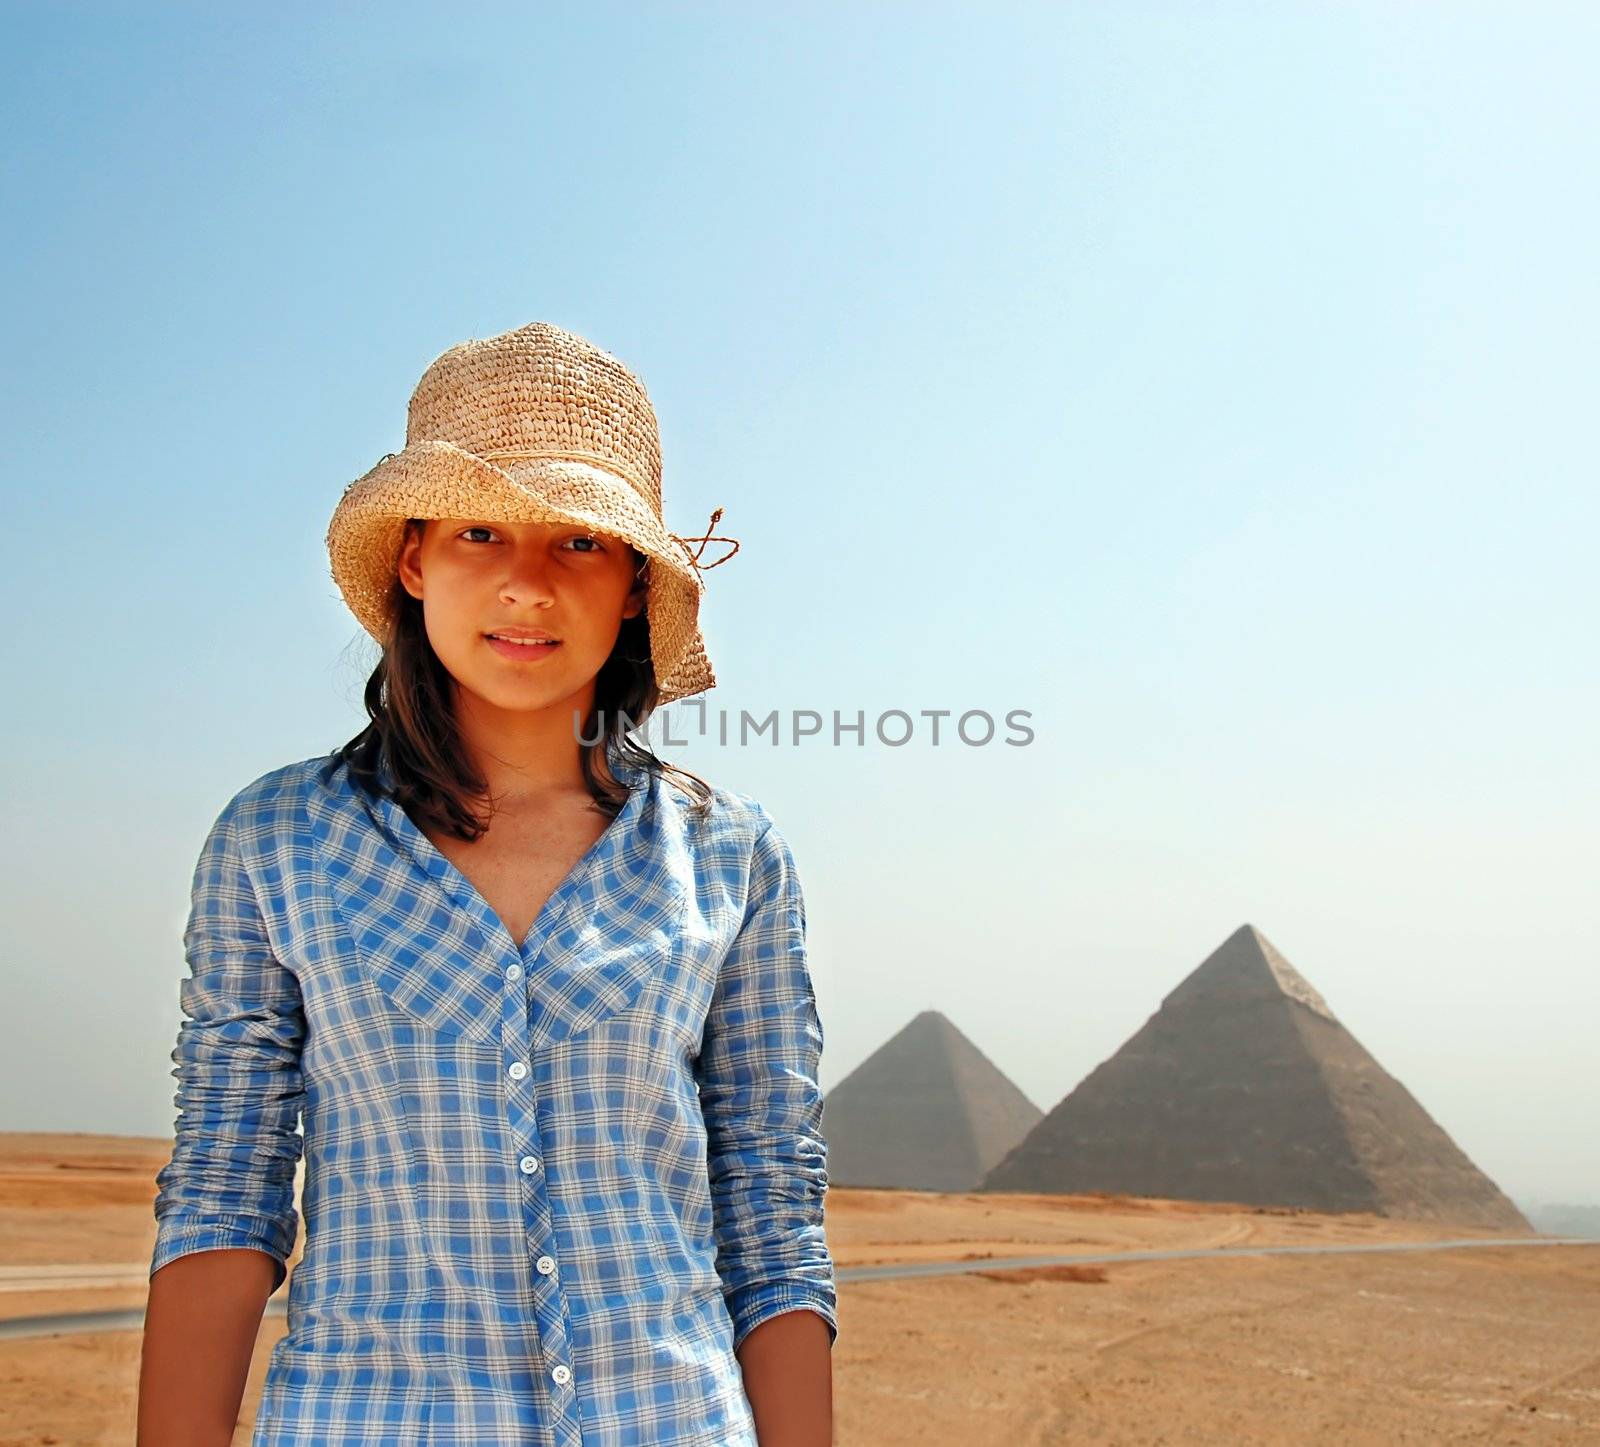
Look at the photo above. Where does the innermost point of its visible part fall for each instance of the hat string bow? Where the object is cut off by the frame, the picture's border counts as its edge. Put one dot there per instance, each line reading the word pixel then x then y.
pixel 709 536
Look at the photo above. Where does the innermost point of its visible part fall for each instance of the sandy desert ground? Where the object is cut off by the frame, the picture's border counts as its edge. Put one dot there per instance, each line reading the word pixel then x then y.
pixel 1463 1346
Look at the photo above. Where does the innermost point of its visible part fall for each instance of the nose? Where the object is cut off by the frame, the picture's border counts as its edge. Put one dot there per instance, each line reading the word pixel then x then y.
pixel 527 578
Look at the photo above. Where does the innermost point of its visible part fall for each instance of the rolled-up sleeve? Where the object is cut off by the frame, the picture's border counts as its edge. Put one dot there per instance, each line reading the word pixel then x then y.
pixel 757 1073
pixel 230 1179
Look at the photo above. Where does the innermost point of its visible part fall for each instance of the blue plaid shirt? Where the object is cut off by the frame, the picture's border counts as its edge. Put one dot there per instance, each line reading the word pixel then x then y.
pixel 550 1187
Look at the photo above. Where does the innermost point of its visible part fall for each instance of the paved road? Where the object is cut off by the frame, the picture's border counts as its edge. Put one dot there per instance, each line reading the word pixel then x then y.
pixel 55 1278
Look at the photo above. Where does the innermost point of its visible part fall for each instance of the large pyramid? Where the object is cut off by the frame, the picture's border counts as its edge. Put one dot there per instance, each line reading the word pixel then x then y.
pixel 1244 1087
pixel 926 1110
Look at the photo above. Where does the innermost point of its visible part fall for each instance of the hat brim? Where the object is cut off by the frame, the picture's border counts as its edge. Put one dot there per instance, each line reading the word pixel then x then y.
pixel 436 479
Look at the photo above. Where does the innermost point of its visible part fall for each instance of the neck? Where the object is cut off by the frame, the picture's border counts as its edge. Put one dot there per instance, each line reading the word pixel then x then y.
pixel 525 756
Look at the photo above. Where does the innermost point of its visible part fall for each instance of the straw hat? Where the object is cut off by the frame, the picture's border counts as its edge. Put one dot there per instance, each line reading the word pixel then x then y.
pixel 532 425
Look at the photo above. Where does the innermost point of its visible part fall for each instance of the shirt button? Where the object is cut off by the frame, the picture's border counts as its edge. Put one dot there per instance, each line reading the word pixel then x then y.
pixel 514 972
pixel 517 1070
pixel 545 1265
pixel 562 1374
pixel 529 1165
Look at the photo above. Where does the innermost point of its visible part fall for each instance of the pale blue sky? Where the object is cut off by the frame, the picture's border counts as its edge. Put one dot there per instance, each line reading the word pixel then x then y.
pixel 1209 380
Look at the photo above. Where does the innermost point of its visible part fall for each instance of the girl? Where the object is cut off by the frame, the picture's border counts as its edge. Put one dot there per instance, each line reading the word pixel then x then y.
pixel 540 998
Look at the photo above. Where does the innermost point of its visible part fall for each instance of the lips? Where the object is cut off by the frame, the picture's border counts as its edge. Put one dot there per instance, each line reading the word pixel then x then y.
pixel 529 651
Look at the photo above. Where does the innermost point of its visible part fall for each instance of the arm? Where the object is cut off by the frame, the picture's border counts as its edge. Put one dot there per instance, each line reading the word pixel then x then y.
pixel 767 1157
pixel 787 1364
pixel 200 1327
pixel 224 1208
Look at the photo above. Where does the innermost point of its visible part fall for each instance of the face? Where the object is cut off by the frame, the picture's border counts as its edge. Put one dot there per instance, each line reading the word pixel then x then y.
pixel 478 579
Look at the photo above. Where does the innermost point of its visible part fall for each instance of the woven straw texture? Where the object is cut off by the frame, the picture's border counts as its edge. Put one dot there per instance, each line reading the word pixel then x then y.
pixel 533 425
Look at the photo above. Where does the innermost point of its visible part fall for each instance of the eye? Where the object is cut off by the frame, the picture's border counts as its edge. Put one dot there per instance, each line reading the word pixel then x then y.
pixel 476 528
pixel 598 546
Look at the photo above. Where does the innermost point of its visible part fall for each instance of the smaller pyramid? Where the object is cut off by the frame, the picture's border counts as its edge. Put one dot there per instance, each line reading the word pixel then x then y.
pixel 1245 1087
pixel 927 1110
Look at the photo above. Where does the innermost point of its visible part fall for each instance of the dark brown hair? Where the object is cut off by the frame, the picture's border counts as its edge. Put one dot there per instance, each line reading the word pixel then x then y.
pixel 413 726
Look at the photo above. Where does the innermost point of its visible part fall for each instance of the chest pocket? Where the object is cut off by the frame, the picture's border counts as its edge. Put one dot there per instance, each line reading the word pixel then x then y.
pixel 438 952
pixel 431 960
pixel 443 960
pixel 596 963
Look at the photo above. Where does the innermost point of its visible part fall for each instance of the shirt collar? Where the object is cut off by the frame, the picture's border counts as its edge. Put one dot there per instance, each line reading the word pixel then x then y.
pixel 404 834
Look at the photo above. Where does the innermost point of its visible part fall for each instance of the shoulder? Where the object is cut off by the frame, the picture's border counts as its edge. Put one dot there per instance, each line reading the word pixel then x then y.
pixel 732 817
pixel 274 798
pixel 739 831
pixel 255 833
